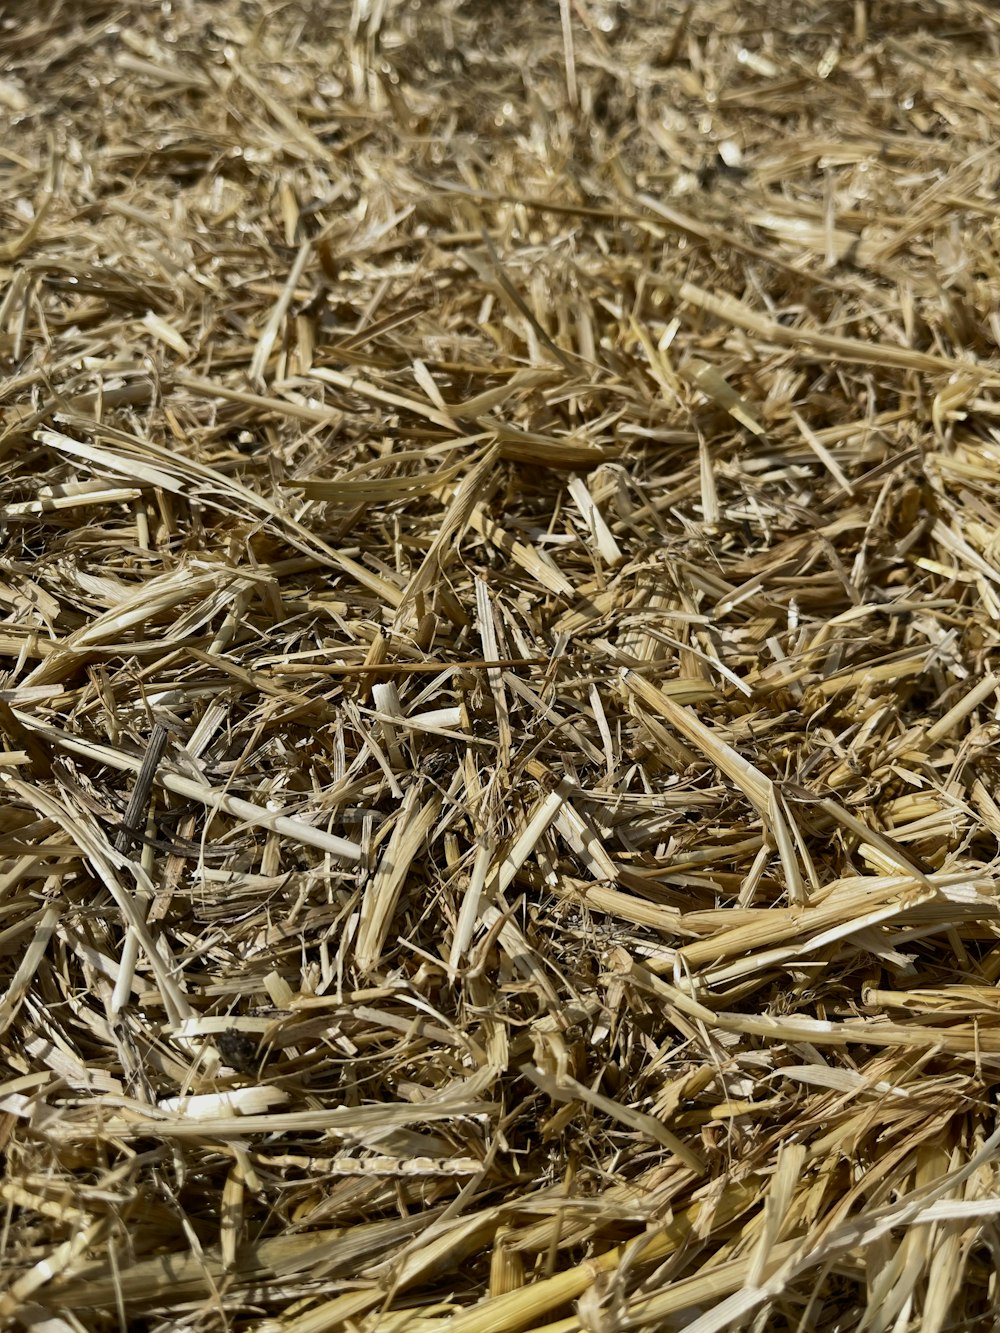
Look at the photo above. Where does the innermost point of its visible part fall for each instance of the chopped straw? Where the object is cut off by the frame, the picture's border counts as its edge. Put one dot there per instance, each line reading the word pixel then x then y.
pixel 500 705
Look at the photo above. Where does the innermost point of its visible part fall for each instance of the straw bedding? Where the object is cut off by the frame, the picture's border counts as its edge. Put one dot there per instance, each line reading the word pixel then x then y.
pixel 500 583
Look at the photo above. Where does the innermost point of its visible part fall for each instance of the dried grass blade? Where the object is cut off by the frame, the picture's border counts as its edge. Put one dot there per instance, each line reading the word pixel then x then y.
pixel 451 527
pixel 409 836
pixel 961 710
pixel 568 1089
pixel 755 786
pixel 609 549
pixel 11 1000
pixel 132 468
pixel 715 388
pixel 269 334
pixel 525 556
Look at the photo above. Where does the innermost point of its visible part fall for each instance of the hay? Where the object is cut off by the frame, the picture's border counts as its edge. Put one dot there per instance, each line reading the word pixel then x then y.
pixel 500 592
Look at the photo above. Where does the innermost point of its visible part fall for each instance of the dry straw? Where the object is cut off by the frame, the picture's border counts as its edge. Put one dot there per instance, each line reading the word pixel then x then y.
pixel 499 699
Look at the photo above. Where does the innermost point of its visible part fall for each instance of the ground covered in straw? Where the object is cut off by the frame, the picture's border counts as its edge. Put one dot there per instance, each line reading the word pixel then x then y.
pixel 499 575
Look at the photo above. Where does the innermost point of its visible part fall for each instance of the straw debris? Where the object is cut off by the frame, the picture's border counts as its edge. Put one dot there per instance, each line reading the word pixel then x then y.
pixel 499 702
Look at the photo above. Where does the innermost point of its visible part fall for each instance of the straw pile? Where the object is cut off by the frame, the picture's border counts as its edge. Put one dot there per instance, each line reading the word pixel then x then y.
pixel 500 577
